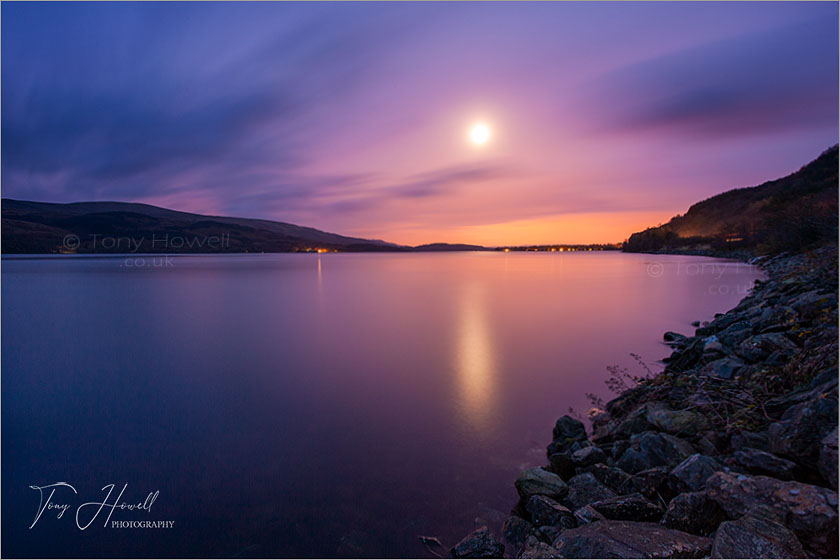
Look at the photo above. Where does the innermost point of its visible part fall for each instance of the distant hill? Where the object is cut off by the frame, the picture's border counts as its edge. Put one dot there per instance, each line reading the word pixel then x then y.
pixel 449 247
pixel 121 227
pixel 796 212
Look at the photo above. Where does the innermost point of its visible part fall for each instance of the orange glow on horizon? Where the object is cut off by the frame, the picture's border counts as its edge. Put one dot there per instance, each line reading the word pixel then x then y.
pixel 565 228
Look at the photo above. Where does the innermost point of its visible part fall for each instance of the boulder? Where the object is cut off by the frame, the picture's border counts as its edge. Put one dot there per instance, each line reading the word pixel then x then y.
pixel 677 422
pixel 688 356
pixel 710 442
pixel 516 531
pixel 619 447
pixel 724 368
pixel 634 507
pixel 653 449
pixel 759 347
pixel 755 461
pixel 775 319
pixel 584 489
pixel 540 482
pixel 547 533
pixel 671 336
pixel 564 446
pixel 613 477
pixel 712 348
pixel 691 474
pixel 630 539
pixel 755 537
pixel 537 549
pixel 693 512
pixel 568 430
pixel 755 440
pixel 588 456
pixel 674 338
pixel 822 384
pixel 478 544
pixel 735 334
pixel 562 465
pixel 810 304
pixel 827 463
pixel 809 511
pixel 545 511
pixel 651 483
pixel 632 423
pixel 799 433
pixel 587 514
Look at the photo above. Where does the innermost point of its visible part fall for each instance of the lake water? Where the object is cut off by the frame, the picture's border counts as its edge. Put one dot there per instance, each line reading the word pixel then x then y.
pixel 311 405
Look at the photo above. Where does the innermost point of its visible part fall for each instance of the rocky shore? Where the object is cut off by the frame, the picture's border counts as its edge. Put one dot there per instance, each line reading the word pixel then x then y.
pixel 730 452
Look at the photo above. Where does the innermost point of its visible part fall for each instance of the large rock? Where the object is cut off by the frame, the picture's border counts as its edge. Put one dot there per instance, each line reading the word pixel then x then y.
pixel 828 458
pixel 799 433
pixel 687 357
pixel 584 489
pixel 691 474
pixel 567 432
pixel 693 512
pixel 735 334
pixel 562 465
pixel 587 514
pixel 776 318
pixel 478 544
pixel 760 347
pixel 676 422
pixel 653 449
pixel 755 461
pixel 545 511
pixel 655 484
pixel 536 549
pixel 810 304
pixel 634 507
pixel 630 539
pixel 824 383
pixel 713 348
pixel 651 483
pixel 613 477
pixel 601 422
pixel 633 422
pixel 755 537
pixel 540 482
pixel 809 511
pixel 755 440
pixel 588 456
pixel 515 532
pixel 547 533
pixel 724 368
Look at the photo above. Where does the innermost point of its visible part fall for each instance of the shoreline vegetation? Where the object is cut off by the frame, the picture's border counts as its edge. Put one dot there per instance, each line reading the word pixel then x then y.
pixel 731 451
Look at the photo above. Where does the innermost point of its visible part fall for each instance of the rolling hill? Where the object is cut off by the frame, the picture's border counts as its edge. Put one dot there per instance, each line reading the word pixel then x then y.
pixel 121 227
pixel 795 212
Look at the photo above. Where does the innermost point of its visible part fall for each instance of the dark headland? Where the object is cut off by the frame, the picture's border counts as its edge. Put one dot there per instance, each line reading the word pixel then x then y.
pixel 731 451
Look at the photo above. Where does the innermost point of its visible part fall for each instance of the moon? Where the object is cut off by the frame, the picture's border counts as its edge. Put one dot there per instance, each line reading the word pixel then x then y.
pixel 479 134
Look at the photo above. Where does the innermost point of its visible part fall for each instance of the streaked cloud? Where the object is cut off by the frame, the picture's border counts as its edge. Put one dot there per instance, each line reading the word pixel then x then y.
pixel 352 117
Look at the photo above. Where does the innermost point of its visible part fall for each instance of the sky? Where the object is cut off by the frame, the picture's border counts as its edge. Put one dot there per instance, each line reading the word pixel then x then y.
pixel 604 118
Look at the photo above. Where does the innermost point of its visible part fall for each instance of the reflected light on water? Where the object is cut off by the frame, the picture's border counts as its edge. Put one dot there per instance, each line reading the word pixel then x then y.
pixel 476 362
pixel 321 303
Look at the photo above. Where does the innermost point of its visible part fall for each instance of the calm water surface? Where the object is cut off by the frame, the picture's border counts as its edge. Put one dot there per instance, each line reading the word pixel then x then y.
pixel 305 405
